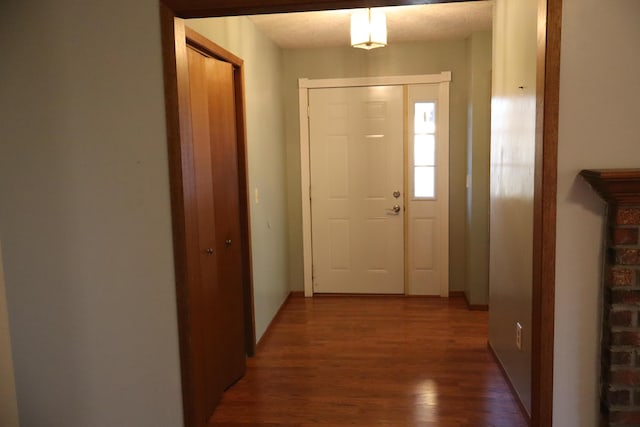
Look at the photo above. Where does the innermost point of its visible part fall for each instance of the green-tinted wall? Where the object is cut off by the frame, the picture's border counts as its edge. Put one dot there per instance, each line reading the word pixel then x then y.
pixel 513 114
pixel 478 149
pixel 599 111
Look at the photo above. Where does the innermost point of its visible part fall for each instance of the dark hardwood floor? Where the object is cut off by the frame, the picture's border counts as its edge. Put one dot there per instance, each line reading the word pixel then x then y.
pixel 372 361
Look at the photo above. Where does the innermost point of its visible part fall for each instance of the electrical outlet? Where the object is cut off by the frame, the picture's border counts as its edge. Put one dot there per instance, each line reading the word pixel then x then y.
pixel 518 335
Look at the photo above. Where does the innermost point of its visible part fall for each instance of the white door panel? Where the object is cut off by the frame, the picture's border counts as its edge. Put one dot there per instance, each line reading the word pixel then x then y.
pixel 356 152
pixel 428 195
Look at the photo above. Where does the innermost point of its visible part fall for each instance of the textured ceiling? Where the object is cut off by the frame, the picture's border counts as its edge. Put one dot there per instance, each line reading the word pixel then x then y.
pixel 442 21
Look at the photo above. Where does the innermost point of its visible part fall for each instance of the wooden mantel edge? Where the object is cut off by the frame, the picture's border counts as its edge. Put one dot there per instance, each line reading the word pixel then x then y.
pixel 618 187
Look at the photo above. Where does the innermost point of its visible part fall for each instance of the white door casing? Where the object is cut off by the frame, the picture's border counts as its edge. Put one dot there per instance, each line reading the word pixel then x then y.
pixel 356 149
pixel 442 81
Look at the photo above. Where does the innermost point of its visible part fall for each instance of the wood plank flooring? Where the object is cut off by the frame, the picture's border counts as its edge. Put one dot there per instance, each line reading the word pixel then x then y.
pixel 372 361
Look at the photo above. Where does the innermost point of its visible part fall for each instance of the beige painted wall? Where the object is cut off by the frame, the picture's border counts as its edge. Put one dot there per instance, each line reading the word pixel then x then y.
pixel 398 59
pixel 478 154
pixel 85 217
pixel 8 402
pixel 512 174
pixel 266 154
pixel 599 110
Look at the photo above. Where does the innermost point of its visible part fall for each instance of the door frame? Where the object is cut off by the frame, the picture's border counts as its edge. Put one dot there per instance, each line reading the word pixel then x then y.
pixel 304 85
pixel 549 23
pixel 175 38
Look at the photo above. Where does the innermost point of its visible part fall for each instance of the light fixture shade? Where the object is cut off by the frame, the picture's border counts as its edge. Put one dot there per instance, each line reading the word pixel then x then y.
pixel 368 29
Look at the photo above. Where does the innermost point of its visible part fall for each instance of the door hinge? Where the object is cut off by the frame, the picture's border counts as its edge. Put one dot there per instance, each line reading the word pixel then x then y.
pixel 308 111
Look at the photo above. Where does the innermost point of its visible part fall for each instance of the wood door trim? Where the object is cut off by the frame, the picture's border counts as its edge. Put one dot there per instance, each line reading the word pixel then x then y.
pixel 211 8
pixel 209 48
pixel 245 213
pixel 545 204
pixel 177 110
pixel 543 287
pixel 179 133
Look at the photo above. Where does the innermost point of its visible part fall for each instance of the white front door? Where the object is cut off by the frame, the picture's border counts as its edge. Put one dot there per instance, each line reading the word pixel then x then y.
pixel 356 162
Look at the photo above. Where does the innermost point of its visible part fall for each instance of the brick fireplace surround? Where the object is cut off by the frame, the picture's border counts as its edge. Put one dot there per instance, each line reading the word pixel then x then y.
pixel 620 357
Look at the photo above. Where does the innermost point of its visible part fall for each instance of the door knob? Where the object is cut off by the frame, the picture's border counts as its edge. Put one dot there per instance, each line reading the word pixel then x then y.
pixel 227 242
pixel 395 209
pixel 209 251
pixel 396 194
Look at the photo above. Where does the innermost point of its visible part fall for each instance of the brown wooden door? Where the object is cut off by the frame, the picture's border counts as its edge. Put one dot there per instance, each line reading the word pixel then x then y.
pixel 222 113
pixel 220 311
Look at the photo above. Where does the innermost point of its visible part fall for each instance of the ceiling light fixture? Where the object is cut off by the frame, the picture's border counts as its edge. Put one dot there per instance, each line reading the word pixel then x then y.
pixel 368 29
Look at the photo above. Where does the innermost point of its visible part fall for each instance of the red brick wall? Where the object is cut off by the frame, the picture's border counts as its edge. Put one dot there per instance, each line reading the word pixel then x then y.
pixel 620 377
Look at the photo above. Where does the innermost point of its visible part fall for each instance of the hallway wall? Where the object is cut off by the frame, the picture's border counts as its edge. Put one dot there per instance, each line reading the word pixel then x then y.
pixel 478 154
pixel 599 110
pixel 513 121
pixel 85 218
